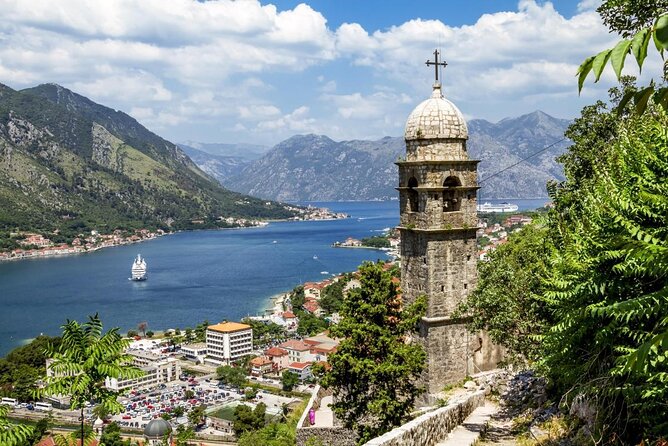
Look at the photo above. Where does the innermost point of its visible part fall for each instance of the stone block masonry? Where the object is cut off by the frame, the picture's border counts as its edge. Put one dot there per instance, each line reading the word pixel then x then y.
pixel 431 428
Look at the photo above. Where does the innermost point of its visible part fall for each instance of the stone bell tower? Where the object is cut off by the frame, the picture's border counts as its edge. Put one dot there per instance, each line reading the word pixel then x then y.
pixel 437 192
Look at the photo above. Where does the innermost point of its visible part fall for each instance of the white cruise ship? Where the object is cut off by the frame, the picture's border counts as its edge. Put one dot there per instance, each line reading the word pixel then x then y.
pixel 138 269
pixel 497 208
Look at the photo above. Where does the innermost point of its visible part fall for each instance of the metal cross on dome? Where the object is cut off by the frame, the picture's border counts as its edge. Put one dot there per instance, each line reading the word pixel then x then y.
pixel 436 64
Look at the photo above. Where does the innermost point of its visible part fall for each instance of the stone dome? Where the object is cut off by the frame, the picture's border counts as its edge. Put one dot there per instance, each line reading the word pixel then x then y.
pixel 436 118
pixel 157 428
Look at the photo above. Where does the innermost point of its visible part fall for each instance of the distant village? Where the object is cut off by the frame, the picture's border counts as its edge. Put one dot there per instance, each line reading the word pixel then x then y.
pixel 33 245
pixel 489 235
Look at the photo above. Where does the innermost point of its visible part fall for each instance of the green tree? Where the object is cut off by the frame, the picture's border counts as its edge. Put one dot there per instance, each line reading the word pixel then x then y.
pixel 609 287
pixel 12 434
pixel 310 324
pixel 639 22
pixel 83 360
pixel 184 435
pixel 246 419
pixel 196 416
pixel 111 436
pixel 297 297
pixel 374 372
pixel 149 334
pixel 289 380
pixel 40 429
pixel 232 376
pixel 250 393
pixel 331 297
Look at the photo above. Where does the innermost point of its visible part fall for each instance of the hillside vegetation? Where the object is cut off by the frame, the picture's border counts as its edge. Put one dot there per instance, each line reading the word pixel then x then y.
pixel 69 165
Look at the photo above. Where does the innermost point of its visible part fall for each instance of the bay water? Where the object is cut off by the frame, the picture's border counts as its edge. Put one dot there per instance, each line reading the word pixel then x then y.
pixel 192 276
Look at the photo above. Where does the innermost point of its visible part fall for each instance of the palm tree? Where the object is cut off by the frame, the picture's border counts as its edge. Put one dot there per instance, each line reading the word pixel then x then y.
pixel 12 434
pixel 83 361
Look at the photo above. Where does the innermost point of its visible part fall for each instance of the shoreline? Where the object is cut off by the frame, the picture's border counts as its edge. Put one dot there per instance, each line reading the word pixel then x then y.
pixel 72 250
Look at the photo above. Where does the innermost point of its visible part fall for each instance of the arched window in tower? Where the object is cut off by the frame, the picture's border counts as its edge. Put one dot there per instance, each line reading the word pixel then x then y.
pixel 451 198
pixel 412 195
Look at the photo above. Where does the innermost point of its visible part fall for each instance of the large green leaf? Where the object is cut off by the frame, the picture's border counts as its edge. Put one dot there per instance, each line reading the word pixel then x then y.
pixel 625 100
pixel 599 62
pixel 641 97
pixel 639 46
pixel 661 97
pixel 618 55
pixel 661 33
pixel 583 71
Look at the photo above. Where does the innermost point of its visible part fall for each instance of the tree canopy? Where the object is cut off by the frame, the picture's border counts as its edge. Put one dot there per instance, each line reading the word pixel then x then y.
pixel 374 372
pixel 83 360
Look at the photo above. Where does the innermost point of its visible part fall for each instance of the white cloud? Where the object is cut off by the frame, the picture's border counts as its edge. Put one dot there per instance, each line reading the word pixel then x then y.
pixel 225 67
pixel 588 5
pixel 128 86
pixel 296 121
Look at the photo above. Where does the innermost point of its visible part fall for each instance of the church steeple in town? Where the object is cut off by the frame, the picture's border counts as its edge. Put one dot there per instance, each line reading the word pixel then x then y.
pixel 437 192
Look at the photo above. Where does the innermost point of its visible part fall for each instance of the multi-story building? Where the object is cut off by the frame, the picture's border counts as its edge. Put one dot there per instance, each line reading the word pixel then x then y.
pixel 194 352
pixel 298 351
pixel 158 369
pixel 228 341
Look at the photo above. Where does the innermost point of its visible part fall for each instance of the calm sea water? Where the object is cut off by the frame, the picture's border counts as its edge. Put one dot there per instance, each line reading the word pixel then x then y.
pixel 193 276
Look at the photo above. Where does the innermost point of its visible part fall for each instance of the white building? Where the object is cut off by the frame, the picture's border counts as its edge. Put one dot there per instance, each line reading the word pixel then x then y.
pixel 194 352
pixel 228 341
pixel 157 370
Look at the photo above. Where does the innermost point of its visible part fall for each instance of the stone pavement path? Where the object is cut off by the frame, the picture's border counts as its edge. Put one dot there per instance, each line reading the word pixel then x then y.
pixel 498 432
pixel 474 425
pixel 324 416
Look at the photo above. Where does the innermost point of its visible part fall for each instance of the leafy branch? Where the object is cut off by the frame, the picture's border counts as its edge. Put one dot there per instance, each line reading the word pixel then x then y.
pixel 616 57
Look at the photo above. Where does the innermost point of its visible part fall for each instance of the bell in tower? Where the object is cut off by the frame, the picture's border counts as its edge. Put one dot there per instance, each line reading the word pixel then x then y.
pixel 438 224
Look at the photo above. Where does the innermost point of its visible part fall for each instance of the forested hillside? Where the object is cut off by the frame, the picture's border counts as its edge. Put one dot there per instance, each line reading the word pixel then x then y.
pixel 69 165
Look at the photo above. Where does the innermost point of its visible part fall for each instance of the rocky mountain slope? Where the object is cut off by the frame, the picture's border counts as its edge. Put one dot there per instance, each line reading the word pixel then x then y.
pixel 314 167
pixel 70 165
pixel 220 167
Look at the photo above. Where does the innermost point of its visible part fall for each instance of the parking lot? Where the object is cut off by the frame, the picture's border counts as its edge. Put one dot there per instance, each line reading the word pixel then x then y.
pixel 142 407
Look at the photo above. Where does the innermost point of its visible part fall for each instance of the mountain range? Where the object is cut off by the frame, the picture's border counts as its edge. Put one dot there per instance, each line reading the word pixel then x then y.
pixel 317 168
pixel 68 164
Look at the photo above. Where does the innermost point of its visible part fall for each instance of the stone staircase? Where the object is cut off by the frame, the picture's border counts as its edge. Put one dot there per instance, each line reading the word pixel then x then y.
pixel 469 432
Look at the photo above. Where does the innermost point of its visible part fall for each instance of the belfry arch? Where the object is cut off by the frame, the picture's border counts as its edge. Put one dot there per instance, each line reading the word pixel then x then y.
pixel 413 197
pixel 451 194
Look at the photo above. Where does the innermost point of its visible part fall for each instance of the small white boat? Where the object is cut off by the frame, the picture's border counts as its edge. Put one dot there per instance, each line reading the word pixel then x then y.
pixel 139 269
pixel 324 272
pixel 315 257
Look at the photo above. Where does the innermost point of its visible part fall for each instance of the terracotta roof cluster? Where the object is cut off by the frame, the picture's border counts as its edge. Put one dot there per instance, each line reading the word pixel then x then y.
pixel 275 351
pixel 311 305
pixel 260 361
pixel 294 344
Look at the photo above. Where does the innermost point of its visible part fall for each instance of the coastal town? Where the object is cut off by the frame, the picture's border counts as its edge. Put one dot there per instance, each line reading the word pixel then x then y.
pixel 33 245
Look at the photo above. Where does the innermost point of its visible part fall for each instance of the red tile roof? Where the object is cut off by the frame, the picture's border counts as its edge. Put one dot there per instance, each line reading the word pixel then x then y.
pixel 275 351
pixel 294 344
pixel 299 365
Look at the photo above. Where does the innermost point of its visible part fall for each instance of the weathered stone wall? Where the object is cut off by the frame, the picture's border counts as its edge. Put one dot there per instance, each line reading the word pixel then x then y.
pixel 326 436
pixel 436 149
pixel 432 427
pixel 449 346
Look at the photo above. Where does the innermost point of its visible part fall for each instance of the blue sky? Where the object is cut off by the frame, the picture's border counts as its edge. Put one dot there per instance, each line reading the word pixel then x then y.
pixel 259 72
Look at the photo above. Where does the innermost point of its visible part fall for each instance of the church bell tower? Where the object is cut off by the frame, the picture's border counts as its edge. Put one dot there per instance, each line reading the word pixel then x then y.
pixel 437 193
